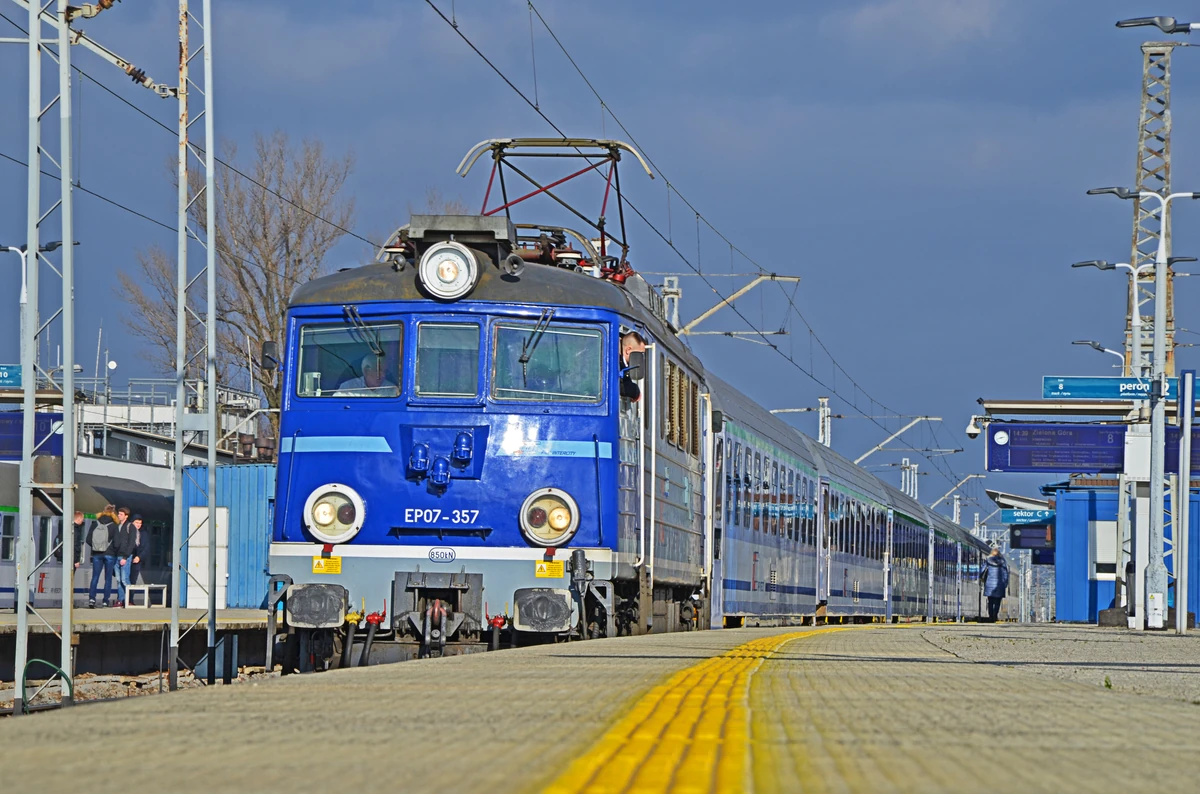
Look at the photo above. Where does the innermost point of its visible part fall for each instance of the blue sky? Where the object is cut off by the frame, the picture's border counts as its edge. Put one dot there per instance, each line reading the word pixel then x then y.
pixel 920 164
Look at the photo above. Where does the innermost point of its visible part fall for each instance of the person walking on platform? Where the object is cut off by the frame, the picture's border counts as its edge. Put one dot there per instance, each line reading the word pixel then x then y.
pixel 994 579
pixel 101 538
pixel 141 543
pixel 125 545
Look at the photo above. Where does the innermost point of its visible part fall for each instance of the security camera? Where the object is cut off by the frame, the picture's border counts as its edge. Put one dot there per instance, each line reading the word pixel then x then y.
pixel 973 429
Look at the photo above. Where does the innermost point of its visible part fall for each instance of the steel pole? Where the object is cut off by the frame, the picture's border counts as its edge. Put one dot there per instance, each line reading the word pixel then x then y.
pixel 210 329
pixel 1156 568
pixel 29 320
pixel 70 441
pixel 1135 344
pixel 181 272
pixel 1182 509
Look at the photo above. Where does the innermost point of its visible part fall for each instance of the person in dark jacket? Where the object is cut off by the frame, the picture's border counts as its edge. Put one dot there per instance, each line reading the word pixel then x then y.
pixel 994 579
pixel 124 548
pixel 78 538
pixel 141 544
pixel 100 539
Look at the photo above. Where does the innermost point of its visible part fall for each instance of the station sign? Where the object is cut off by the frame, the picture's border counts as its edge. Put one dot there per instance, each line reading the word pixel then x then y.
pixel 10 376
pixel 47 434
pixel 1055 448
pixel 1020 517
pixel 1028 537
pixel 1041 556
pixel 1102 388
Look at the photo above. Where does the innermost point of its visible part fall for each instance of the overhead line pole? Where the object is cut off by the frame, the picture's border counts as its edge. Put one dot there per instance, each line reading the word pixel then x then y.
pixel 181 284
pixel 960 484
pixel 70 441
pixel 895 435
pixel 210 325
pixel 29 323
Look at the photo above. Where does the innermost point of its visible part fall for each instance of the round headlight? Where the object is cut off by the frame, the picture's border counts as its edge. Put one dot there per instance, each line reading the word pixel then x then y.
pixel 549 517
pixel 448 270
pixel 324 513
pixel 334 513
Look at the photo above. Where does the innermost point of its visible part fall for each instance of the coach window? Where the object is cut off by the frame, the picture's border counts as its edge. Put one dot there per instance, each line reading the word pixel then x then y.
pixel 540 363
pixel 735 484
pixel 8 536
pixel 747 476
pixel 695 403
pixel 346 360
pixel 447 359
pixel 685 414
pixel 788 504
pixel 758 493
pixel 719 480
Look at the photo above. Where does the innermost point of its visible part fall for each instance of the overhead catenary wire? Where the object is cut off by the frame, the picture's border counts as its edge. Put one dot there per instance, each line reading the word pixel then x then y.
pixel 200 150
pixel 149 219
pixel 667 238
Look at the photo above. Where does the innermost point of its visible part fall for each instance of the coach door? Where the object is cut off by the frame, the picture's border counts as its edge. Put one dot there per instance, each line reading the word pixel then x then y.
pixel 823 545
pixel 887 569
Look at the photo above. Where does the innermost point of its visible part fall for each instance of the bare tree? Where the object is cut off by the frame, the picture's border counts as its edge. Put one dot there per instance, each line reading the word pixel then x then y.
pixel 270 237
pixel 437 204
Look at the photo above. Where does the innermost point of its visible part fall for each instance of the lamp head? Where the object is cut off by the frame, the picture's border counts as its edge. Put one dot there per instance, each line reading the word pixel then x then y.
pixel 1096 263
pixel 1165 24
pixel 1171 260
pixel 52 246
pixel 1089 343
pixel 1119 192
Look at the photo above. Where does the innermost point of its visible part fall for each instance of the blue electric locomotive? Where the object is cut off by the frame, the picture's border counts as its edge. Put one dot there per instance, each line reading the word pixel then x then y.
pixel 493 435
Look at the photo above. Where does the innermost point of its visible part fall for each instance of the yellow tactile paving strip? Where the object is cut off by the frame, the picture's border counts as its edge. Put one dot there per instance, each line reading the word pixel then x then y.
pixel 689 734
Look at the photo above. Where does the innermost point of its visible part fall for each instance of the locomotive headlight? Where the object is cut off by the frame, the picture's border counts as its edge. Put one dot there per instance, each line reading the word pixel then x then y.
pixel 549 517
pixel 334 513
pixel 448 270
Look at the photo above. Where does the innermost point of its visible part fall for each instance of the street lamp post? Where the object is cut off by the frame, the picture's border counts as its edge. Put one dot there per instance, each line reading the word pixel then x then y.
pixel 23 251
pixel 1097 346
pixel 1136 364
pixel 1156 568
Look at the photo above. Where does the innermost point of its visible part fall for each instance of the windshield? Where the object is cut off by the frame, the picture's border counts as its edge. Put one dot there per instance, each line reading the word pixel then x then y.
pixel 447 359
pixel 561 363
pixel 346 361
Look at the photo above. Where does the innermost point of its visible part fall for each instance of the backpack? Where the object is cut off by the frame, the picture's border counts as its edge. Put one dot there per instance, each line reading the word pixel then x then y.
pixel 101 538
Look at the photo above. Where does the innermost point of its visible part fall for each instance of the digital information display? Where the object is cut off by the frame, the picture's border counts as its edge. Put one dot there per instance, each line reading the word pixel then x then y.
pixel 1078 449
pixel 1042 556
pixel 1030 537
pixel 46 424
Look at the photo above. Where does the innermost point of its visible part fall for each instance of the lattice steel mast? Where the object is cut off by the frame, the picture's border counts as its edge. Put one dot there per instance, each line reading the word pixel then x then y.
pixel 1151 219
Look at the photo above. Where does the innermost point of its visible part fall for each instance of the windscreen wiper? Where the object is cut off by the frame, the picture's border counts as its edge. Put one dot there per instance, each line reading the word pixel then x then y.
pixel 367 333
pixel 530 343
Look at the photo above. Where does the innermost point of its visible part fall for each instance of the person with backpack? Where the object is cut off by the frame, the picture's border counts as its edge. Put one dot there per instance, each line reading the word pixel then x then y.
pixel 100 539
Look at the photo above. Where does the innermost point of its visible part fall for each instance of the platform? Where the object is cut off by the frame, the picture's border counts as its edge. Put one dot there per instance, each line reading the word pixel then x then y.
pixel 132 640
pixel 134 619
pixel 896 708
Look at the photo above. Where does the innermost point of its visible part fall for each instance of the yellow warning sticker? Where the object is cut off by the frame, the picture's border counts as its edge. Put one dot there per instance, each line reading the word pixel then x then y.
pixel 327 564
pixel 548 570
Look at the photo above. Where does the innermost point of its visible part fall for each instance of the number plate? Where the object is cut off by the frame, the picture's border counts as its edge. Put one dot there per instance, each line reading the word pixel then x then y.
pixel 327 565
pixel 437 517
pixel 549 570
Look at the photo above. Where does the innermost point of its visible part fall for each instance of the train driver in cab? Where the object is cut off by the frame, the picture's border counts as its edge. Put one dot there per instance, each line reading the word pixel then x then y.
pixel 372 383
pixel 631 342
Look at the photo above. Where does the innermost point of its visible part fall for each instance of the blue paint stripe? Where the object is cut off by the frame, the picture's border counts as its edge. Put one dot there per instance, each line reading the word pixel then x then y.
pixel 335 444
pixel 742 584
pixel 556 449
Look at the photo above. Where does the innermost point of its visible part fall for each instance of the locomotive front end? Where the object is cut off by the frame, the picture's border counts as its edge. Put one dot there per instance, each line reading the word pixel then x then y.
pixel 447 468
